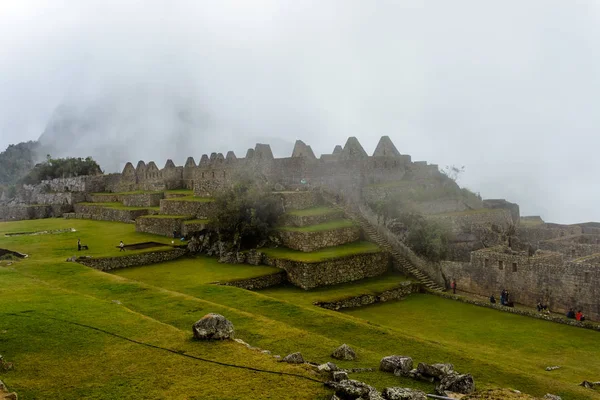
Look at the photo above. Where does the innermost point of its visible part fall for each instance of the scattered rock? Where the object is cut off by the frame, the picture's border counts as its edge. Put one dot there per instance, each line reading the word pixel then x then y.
pixel 436 371
pixel 392 363
pixel 414 374
pixel 589 385
pixel 72 259
pixel 351 389
pixel 339 376
pixel 294 358
pixel 266 352
pixel 358 370
pixel 213 326
pixel 5 394
pixel 549 396
pixel 459 383
pixel 323 368
pixel 552 368
pixel 116 302
pixel 332 366
pixel 344 352
pixel 277 357
pixel 397 393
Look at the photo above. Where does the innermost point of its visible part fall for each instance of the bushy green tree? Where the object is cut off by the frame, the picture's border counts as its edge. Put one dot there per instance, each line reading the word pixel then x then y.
pixel 246 213
pixel 54 168
pixel 16 161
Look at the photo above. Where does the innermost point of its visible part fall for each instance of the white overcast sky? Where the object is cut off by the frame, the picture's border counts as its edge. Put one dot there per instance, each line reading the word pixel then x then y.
pixel 509 89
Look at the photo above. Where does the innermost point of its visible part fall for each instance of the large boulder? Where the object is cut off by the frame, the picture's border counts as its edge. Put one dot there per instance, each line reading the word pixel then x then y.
pixel 339 376
pixel 549 396
pixel 344 352
pixel 397 393
pixel 436 371
pixel 294 358
pixel 393 363
pixel 457 383
pixel 352 390
pixel 213 326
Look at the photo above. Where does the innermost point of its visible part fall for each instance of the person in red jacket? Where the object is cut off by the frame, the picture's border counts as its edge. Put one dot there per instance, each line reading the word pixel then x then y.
pixel 453 286
pixel 579 316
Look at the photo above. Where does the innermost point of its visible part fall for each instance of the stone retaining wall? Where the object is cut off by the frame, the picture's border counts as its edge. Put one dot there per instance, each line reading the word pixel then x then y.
pixel 403 290
pixel 142 199
pixel 527 313
pixel 133 260
pixel 197 209
pixel 331 272
pixel 300 221
pixel 260 282
pixel 24 212
pixel 298 200
pixel 465 222
pixel 311 241
pixel 189 228
pixel 160 226
pixel 100 213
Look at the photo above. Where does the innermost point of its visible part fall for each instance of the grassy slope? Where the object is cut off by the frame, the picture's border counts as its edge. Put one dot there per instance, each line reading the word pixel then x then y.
pixel 275 324
pixel 326 226
pixel 313 211
pixel 322 254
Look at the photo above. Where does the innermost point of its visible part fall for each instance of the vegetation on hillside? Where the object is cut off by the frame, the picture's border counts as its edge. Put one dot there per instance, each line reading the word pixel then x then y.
pixel 15 162
pixel 425 237
pixel 54 168
pixel 245 214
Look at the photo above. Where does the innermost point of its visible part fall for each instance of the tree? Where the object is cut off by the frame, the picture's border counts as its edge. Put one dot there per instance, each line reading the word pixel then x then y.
pixel 54 168
pixel 245 214
pixel 453 172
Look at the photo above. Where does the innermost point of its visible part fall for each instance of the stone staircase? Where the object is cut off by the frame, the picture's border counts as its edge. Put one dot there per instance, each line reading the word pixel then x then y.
pixel 374 236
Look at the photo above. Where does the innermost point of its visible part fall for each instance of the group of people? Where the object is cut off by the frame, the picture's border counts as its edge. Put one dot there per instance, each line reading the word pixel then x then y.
pixel 504 299
pixel 575 315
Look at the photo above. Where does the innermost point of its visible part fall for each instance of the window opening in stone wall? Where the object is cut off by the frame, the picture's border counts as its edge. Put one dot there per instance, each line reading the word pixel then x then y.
pixel 500 264
pixel 514 267
pixel 486 262
pixel 586 277
pixel 213 174
pixel 203 175
pixel 573 253
pixel 223 174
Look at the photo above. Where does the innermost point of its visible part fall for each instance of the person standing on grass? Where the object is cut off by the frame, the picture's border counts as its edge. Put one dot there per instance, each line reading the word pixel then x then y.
pixel 453 286
pixel 78 244
pixel 121 246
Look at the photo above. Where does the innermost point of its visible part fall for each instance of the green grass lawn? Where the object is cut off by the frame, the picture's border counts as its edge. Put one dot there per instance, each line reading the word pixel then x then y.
pixel 314 211
pixel 192 198
pixel 326 253
pixel 326 226
pixel 59 360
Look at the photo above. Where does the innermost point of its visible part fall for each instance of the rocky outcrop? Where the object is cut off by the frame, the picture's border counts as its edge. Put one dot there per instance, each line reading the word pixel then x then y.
pixel 294 358
pixel 351 389
pixel 457 383
pixel 339 376
pixel 436 371
pixel 394 363
pixel 397 393
pixel 5 394
pixel 344 352
pixel 213 326
pixel 549 396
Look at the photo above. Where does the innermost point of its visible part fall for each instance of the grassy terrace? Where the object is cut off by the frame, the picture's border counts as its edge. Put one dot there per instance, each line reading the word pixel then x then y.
pixel 326 226
pixel 192 198
pixel 189 192
pixel 118 206
pixel 167 216
pixel 125 193
pixel 196 221
pixel 499 349
pixel 327 253
pixel 313 211
pixel 372 286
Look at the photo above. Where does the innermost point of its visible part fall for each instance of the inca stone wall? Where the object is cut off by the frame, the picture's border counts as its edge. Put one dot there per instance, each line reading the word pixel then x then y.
pixel 311 241
pixel 133 260
pixel 298 200
pixel 572 247
pixel 466 221
pixel 197 209
pixel 260 282
pixel 538 233
pixel 24 212
pixel 543 277
pixel 190 227
pixel 305 220
pixel 403 290
pixel 100 213
pixel 332 272
pixel 142 199
pixel 159 225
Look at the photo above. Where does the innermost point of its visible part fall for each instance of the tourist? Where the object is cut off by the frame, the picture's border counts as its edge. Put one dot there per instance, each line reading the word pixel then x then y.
pixel 78 244
pixel 579 316
pixel 453 286
pixel 121 246
pixel 503 297
pixel 492 299
pixel 507 298
pixel 571 314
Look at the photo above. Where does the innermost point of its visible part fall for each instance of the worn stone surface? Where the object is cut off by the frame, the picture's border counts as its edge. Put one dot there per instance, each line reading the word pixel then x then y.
pixel 213 326
pixel 294 358
pixel 395 362
pixel 133 260
pixel 344 352
pixel 397 393
pixel 311 241
pixel 458 383
pixel 436 371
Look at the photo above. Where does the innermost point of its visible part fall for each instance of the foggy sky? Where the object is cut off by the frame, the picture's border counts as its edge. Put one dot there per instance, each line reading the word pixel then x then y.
pixel 508 89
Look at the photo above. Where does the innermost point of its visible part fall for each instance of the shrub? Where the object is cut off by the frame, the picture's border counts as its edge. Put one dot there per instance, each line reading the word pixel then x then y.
pixel 61 168
pixel 245 214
